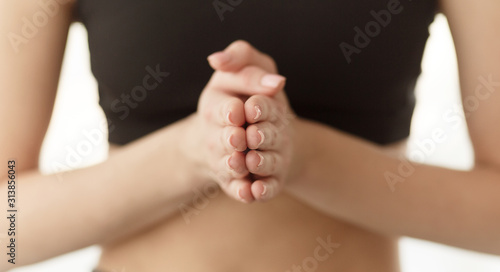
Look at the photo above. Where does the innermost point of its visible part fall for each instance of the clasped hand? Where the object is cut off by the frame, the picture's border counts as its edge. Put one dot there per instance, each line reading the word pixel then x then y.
pixel 245 138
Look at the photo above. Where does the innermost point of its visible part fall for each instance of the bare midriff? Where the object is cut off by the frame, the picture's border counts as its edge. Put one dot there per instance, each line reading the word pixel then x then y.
pixel 279 235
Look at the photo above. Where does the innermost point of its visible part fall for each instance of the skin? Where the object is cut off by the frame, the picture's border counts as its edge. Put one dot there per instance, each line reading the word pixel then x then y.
pixel 170 179
pixel 172 244
pixel 328 191
pixel 434 203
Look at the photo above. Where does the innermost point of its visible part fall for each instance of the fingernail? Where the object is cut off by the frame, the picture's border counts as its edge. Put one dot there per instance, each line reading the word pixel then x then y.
pixel 219 57
pixel 239 194
pixel 262 138
pixel 228 118
pixel 230 141
pixel 229 165
pixel 258 113
pixel 261 160
pixel 264 190
pixel 271 80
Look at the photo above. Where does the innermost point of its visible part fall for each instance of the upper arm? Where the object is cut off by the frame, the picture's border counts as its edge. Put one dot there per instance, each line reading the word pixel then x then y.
pixel 31 52
pixel 475 26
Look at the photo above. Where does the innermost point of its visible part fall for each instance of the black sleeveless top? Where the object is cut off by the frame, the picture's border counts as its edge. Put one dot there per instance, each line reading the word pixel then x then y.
pixel 350 64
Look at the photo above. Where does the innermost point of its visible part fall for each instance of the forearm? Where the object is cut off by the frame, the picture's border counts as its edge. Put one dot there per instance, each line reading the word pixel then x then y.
pixel 347 180
pixel 138 185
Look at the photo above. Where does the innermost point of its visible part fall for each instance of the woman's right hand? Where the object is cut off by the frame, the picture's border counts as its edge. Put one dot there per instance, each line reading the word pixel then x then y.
pixel 216 138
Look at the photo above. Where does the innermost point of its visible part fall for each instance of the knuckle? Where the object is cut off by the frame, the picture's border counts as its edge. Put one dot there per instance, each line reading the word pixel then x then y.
pixel 233 101
pixel 223 179
pixel 260 99
pixel 250 70
pixel 273 140
pixel 241 174
pixel 235 132
pixel 248 74
pixel 274 137
pixel 279 184
pixel 274 183
pixel 255 100
pixel 211 145
pixel 212 166
pixel 223 176
pixel 214 80
pixel 206 115
pixel 242 45
pixel 274 163
pixel 226 132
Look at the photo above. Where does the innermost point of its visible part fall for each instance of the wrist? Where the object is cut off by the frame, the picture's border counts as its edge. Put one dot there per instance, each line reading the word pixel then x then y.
pixel 304 150
pixel 188 150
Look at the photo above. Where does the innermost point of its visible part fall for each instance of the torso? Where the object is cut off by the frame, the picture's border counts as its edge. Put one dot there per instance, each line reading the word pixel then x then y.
pixel 370 97
pixel 273 236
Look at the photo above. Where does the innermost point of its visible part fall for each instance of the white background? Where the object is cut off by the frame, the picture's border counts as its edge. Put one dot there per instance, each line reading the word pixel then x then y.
pixel 76 110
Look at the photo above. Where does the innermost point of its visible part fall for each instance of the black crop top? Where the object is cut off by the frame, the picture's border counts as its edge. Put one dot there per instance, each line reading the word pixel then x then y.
pixel 350 64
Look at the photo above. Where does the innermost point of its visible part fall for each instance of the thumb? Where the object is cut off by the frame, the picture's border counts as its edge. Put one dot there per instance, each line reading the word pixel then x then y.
pixel 238 55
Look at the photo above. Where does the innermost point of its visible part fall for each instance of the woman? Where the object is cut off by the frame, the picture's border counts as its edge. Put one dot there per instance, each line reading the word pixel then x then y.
pixel 313 193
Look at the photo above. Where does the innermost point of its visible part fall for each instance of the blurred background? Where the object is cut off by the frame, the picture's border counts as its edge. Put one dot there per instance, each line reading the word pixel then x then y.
pixel 76 111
